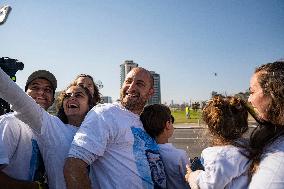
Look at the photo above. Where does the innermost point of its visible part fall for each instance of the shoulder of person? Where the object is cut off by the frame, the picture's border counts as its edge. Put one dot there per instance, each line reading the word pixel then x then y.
pixel 277 145
pixel 171 148
pixel 103 107
pixel 7 116
pixel 9 119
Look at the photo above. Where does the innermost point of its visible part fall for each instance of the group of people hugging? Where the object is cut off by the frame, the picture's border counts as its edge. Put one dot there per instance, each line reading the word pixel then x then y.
pixel 125 144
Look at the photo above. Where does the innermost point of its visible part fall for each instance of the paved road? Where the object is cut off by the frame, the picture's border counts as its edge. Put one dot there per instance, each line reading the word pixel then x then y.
pixel 191 138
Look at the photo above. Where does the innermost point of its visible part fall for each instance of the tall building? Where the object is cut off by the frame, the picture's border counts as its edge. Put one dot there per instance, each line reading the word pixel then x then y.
pixel 127 66
pixel 106 99
pixel 156 98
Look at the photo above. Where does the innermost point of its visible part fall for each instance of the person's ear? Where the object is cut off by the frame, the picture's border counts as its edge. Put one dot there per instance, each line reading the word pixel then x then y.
pixel 168 125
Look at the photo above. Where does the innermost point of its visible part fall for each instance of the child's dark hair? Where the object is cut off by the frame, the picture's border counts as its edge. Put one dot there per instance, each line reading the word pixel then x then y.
pixel 154 118
pixel 227 119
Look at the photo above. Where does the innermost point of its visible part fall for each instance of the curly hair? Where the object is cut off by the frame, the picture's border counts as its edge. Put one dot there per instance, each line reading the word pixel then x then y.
pixel 96 95
pixel 59 102
pixel 271 79
pixel 154 118
pixel 227 119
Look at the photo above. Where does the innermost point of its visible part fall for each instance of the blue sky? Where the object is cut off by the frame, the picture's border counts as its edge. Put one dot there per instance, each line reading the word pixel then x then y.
pixel 185 41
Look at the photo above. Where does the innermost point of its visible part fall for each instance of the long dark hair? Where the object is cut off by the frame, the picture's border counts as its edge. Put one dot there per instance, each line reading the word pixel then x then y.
pixel 59 102
pixel 271 80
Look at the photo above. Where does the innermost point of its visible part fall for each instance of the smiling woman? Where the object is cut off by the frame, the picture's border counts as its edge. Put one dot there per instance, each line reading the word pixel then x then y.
pixel 54 133
pixel 267 140
pixel 73 104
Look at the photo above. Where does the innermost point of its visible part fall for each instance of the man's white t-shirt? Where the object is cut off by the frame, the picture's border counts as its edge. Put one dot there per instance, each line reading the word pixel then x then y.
pixel 121 154
pixel 20 151
pixel 53 136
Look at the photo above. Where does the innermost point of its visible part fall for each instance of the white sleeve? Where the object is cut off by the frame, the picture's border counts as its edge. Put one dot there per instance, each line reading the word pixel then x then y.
pixel 26 109
pixel 217 174
pixel 81 153
pixel 192 180
pixel 92 138
pixel 9 138
pixel 270 173
pixel 4 160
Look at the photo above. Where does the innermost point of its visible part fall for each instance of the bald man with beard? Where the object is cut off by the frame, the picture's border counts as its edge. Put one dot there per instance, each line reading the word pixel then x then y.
pixel 113 142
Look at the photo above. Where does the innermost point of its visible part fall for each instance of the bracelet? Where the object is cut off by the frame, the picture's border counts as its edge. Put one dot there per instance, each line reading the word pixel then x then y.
pixel 39 184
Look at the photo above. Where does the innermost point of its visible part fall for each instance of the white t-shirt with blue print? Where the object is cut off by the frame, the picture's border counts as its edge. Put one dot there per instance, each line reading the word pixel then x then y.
pixel 21 150
pixel 121 154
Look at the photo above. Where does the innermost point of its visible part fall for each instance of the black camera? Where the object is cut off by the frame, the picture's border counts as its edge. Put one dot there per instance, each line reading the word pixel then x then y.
pixel 10 66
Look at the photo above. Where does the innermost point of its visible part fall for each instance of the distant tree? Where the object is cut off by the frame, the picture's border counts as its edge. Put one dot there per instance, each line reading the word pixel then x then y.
pixel 214 93
pixel 195 106
pixel 203 103
pixel 243 95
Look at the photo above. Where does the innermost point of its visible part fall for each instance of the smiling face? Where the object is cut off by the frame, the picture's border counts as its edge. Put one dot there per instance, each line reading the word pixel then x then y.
pixel 136 90
pixel 258 99
pixel 75 103
pixel 42 92
pixel 86 82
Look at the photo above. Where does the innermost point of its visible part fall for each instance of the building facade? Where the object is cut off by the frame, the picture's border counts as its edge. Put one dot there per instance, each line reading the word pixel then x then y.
pixel 127 66
pixel 106 99
pixel 156 98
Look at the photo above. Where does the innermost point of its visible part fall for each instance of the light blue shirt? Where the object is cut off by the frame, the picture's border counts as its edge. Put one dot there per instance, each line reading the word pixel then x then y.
pixel 175 161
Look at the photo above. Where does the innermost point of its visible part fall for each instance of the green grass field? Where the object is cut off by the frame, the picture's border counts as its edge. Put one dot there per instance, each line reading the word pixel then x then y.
pixel 180 116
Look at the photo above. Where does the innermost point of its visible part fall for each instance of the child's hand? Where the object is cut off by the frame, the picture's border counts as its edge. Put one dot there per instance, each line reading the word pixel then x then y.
pixel 188 172
pixel 191 177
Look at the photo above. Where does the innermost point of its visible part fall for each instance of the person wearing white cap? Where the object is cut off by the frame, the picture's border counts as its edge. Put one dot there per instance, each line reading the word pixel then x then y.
pixel 21 165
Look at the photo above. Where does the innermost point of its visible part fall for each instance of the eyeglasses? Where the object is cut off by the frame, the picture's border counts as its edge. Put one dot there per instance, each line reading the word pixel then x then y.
pixel 76 95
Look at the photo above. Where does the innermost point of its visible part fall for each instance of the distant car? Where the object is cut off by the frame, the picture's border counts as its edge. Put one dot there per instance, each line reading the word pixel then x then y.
pixel 4 12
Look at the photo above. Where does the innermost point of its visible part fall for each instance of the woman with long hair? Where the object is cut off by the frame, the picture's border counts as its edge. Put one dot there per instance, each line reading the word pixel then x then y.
pixel 267 140
pixel 55 133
